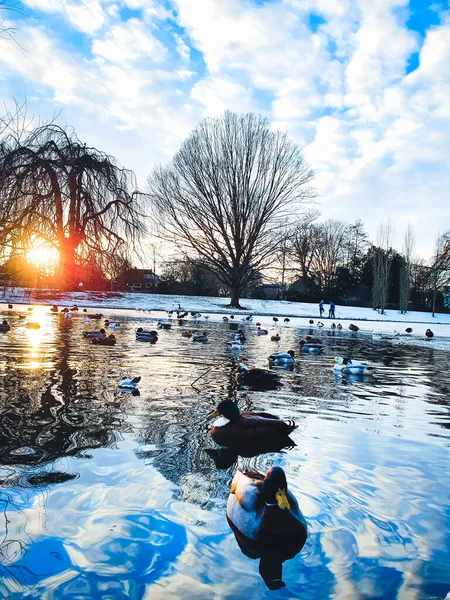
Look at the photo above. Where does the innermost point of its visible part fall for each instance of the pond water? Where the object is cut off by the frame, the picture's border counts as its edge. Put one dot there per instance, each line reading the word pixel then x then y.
pixel 109 495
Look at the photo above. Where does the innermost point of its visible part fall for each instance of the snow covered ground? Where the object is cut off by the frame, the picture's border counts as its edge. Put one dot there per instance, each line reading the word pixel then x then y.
pixel 299 313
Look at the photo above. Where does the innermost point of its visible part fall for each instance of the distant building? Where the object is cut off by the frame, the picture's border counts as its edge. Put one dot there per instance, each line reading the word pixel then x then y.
pixel 139 280
pixel 271 290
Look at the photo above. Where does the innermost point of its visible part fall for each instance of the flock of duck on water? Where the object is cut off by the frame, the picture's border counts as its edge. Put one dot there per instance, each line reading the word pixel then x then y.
pixel 262 512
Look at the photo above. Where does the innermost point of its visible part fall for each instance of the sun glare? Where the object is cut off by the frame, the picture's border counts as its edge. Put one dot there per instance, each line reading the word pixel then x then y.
pixel 43 257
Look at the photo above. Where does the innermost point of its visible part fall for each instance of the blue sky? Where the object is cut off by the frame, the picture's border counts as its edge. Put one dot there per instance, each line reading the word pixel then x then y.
pixel 361 85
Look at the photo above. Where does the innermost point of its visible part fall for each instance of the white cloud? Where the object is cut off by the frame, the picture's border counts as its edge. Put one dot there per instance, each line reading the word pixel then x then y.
pixel 85 15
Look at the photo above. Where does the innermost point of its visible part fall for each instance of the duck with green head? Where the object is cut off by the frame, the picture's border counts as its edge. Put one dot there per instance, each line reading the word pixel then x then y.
pixel 234 427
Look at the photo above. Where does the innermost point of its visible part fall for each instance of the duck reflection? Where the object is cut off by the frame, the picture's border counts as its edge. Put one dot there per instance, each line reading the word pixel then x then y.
pixel 266 521
pixel 226 457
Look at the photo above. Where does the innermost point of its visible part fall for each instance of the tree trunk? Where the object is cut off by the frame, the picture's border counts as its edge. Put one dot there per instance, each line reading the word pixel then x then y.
pixel 235 295
pixel 68 267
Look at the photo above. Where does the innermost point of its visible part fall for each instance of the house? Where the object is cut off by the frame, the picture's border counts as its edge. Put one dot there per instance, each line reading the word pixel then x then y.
pixel 140 280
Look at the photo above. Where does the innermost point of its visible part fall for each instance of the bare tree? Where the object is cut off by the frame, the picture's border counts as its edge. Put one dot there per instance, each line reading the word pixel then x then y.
pixel 76 198
pixel 232 185
pixel 381 265
pixel 6 29
pixel 328 241
pixel 440 269
pixel 405 270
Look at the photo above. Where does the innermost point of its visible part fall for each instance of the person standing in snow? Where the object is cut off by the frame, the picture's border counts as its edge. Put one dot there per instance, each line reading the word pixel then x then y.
pixel 321 308
pixel 331 314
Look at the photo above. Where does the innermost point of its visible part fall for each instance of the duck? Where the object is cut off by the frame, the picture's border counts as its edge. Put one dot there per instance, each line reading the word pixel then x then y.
pixel 310 348
pixel 339 327
pixel 275 319
pixel 311 322
pixel 146 335
pixel 260 331
pixel 312 340
pixel 129 383
pixel 225 319
pixel 10 306
pixel 260 379
pixel 239 335
pixel 233 427
pixel 4 326
pixel 231 317
pixel 65 310
pixel 200 338
pixel 33 325
pixel 54 309
pixel 352 367
pixel 282 358
pixel 429 334
pixel 161 325
pixel 235 345
pixel 74 308
pixel 258 324
pixel 30 309
pixel 249 318
pixel 333 326
pixel 320 324
pixel 94 333
pixel 187 333
pixel 353 328
pixel 266 520
pixel 287 320
pixel 275 338
pixel 409 330
pixel 103 341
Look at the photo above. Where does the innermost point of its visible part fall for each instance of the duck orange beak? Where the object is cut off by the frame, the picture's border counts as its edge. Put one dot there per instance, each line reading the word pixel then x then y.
pixel 215 413
pixel 282 500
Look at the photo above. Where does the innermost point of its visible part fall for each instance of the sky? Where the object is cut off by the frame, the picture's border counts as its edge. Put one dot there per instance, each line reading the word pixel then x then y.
pixel 362 86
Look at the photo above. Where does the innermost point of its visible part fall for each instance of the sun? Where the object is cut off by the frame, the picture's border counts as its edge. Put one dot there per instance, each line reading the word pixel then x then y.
pixel 43 257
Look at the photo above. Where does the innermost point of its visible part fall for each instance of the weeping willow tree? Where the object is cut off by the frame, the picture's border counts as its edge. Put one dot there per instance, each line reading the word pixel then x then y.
pixel 228 191
pixel 76 198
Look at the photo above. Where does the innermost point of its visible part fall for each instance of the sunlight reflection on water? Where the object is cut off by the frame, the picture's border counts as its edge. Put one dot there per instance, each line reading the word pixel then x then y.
pixel 109 495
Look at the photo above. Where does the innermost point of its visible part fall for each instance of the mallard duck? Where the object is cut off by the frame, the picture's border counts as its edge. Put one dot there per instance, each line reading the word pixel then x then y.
pixel 161 325
pixel 352 367
pixel 4 326
pixel 262 508
pixel 260 379
pixel 311 322
pixel 333 326
pixel 65 310
pixel 33 325
pixel 429 334
pixel 129 383
pixel 408 330
pixel 275 338
pixel 266 521
pixel 310 348
pixel 339 327
pixel 103 341
pixel 146 335
pixel 232 426
pixel 94 333
pixel 200 338
pixel 74 309
pixel 282 358
pixel 260 331
pixel 275 319
pixel 10 306
pixel 353 328
pixel 287 320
